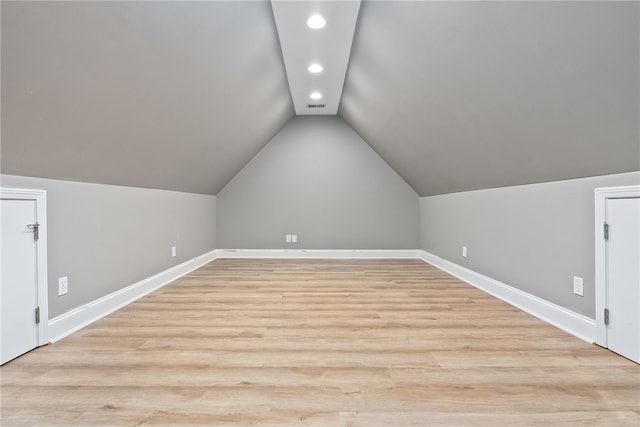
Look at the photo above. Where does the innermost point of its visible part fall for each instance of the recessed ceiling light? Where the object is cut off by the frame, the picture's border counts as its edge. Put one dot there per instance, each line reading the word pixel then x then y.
pixel 315 95
pixel 316 22
pixel 315 68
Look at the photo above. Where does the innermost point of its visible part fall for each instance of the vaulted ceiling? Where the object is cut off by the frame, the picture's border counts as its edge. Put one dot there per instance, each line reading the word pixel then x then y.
pixel 170 95
pixel 453 95
pixel 470 95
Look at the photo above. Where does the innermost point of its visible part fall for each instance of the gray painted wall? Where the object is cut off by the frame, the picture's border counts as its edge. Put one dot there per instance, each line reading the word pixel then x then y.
pixel 318 179
pixel 533 237
pixel 106 237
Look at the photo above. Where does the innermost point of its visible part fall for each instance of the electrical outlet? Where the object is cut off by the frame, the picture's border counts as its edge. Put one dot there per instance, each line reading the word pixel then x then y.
pixel 63 285
pixel 578 287
pixel 294 238
pixel 288 238
pixel 464 251
pixel 174 252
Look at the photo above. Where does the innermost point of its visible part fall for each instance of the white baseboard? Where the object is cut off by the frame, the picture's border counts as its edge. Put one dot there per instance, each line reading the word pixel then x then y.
pixel 320 253
pixel 76 319
pixel 574 323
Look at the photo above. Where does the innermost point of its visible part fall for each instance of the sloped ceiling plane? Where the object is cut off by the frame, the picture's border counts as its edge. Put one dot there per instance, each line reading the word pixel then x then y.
pixel 454 96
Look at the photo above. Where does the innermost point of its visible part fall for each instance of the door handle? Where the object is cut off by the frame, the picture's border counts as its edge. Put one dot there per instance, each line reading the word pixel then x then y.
pixel 36 228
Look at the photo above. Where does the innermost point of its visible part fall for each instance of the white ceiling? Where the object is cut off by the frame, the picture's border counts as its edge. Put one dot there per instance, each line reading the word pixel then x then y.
pixel 329 46
pixel 453 95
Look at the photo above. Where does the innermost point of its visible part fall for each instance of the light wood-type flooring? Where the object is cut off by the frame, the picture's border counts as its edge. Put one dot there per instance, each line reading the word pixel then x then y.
pixel 320 343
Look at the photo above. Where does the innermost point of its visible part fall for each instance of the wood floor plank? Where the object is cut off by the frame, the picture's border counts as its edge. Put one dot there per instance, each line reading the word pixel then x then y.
pixel 320 343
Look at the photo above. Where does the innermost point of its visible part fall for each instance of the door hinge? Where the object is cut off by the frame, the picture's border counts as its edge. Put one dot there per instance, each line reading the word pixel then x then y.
pixel 606 231
pixel 37 315
pixel 36 230
pixel 606 316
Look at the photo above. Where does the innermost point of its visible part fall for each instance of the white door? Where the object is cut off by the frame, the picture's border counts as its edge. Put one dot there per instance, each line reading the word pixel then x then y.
pixel 19 289
pixel 623 276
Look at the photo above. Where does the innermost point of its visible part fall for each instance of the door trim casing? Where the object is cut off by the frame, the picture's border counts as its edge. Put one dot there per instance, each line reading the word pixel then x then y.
pixel 601 196
pixel 40 197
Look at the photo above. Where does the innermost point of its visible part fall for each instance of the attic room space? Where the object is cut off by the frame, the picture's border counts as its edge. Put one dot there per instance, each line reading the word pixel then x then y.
pixel 363 213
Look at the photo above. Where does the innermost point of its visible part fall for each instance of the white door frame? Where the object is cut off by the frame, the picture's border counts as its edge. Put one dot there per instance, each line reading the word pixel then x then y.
pixel 601 196
pixel 40 197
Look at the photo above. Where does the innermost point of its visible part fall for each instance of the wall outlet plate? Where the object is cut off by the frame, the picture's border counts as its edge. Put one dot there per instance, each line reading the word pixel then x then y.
pixel 464 251
pixel 578 286
pixel 63 285
pixel 173 251
pixel 294 238
pixel 288 238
